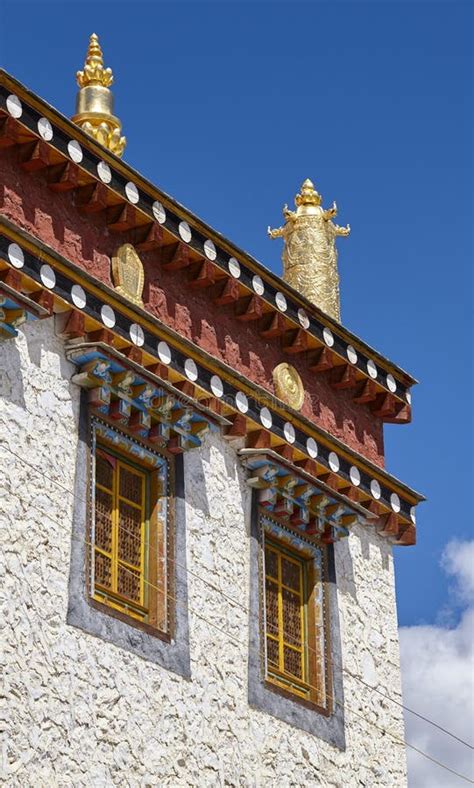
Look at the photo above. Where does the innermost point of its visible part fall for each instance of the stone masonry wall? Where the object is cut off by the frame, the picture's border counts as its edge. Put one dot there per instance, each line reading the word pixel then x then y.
pixel 82 712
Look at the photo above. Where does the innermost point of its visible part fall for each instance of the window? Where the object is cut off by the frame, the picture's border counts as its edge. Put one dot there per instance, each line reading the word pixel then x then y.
pixel 128 565
pixel 295 616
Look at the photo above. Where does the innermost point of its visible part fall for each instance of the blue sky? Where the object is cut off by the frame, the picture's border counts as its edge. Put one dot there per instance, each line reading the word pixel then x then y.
pixel 229 106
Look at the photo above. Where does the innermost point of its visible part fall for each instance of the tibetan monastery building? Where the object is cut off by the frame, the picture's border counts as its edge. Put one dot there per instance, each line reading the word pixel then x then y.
pixel 197 522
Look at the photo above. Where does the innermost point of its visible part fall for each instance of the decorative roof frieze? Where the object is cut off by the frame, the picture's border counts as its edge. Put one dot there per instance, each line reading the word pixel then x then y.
pixel 16 308
pixel 126 338
pixel 293 496
pixel 121 392
pixel 73 161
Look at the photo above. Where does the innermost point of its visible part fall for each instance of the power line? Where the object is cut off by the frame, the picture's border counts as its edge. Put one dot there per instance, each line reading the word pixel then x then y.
pixel 247 610
pixel 243 607
pixel 407 744
pixel 244 645
pixel 85 501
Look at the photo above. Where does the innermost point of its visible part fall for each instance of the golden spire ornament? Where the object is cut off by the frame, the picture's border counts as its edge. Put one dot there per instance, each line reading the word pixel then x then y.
pixel 310 254
pixel 95 102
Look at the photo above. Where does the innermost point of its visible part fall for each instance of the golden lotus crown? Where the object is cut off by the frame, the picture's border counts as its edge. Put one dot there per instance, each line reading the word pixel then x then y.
pixel 94 72
pixel 308 194
pixel 95 102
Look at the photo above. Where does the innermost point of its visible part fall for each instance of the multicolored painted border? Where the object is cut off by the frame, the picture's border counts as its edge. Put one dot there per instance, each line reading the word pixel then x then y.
pixel 122 180
pixel 137 327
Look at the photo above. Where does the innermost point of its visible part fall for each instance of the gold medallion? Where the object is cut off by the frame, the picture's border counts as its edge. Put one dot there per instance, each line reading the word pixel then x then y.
pixel 127 274
pixel 288 385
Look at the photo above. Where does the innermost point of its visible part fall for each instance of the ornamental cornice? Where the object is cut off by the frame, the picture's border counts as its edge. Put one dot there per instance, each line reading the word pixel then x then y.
pixel 288 493
pixel 89 314
pixel 71 160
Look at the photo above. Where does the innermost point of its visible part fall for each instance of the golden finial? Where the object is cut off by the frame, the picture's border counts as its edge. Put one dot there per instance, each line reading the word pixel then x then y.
pixel 310 254
pixel 308 194
pixel 94 106
pixel 94 72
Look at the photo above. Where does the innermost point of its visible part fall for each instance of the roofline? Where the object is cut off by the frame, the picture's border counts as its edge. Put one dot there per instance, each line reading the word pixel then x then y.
pixel 76 132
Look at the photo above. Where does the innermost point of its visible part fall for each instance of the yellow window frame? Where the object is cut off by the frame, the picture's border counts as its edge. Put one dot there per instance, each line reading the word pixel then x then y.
pixel 112 596
pixel 314 684
pixel 280 674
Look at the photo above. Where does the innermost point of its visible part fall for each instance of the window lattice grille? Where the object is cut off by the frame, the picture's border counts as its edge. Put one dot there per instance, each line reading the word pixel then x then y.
pixel 120 530
pixel 295 619
pixel 285 613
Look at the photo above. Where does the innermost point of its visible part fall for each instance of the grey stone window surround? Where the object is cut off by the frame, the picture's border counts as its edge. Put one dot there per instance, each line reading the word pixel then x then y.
pixel 271 700
pixel 85 615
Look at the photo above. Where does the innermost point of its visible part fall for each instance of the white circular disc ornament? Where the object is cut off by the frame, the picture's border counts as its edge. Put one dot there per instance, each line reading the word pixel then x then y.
pixel 354 475
pixel 210 250
pixel 333 461
pixel 104 172
pixel 14 107
pixel 136 334
pixel 280 301
pixel 395 503
pixel 242 402
pixel 131 192
pixel 413 515
pixel 257 284
pixel 164 352
pixel 303 318
pixel 408 397
pixel 217 387
pixel 375 489
pixel 328 337
pixel 289 432
pixel 47 276
pixel 391 383
pixel 234 267
pixel 312 447
pixel 45 129
pixel 75 151
pixel 16 256
pixel 159 212
pixel 371 369
pixel 78 296
pixel 107 315
pixel 266 418
pixel 351 354
pixel 185 231
pixel 190 369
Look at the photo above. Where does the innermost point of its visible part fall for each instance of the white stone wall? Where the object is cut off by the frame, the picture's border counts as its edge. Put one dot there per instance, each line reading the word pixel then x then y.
pixel 80 711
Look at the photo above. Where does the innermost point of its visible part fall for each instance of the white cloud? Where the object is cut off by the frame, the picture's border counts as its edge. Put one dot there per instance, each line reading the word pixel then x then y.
pixel 458 560
pixel 438 679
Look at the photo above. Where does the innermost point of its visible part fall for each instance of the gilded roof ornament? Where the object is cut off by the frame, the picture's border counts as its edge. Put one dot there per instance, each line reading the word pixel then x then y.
pixel 94 72
pixel 288 385
pixel 95 102
pixel 309 253
pixel 127 274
